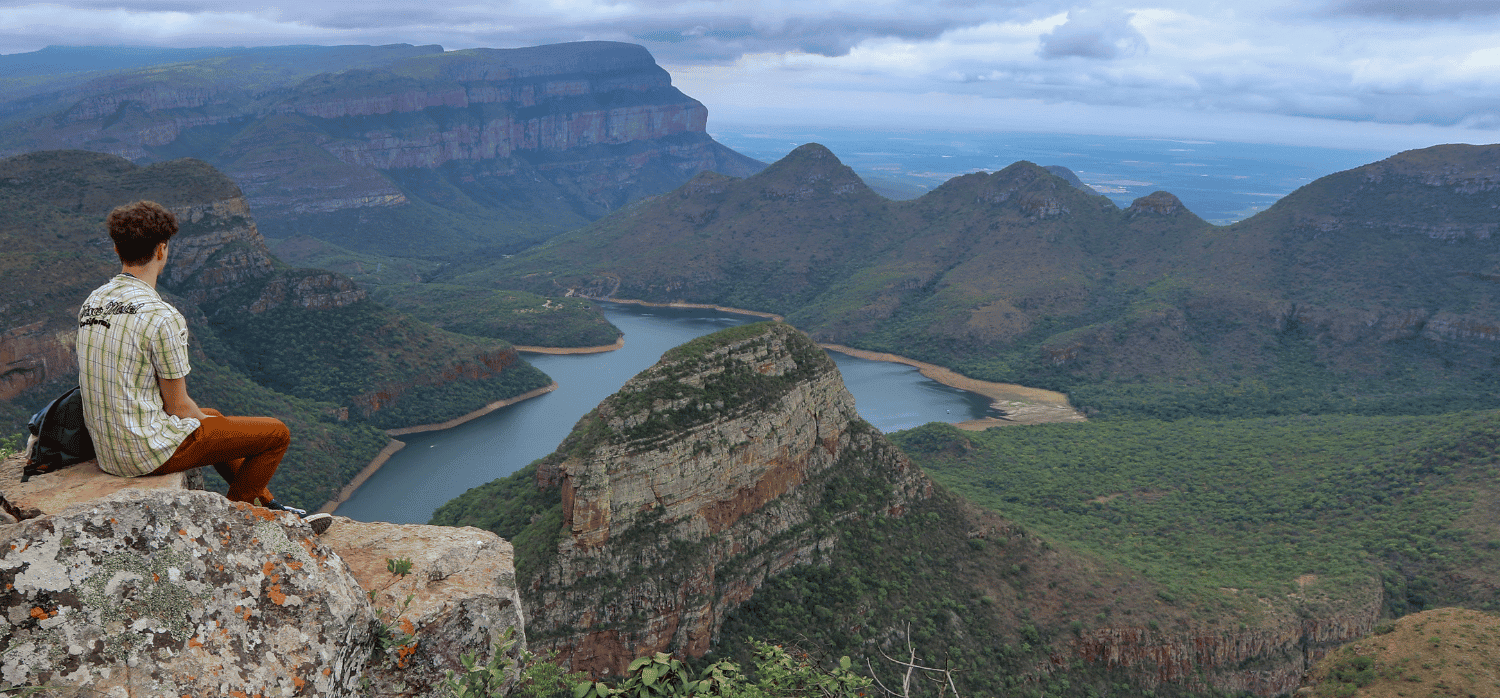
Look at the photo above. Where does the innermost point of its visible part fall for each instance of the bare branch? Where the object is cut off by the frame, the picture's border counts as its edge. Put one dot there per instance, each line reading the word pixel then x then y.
pixel 945 683
pixel 877 678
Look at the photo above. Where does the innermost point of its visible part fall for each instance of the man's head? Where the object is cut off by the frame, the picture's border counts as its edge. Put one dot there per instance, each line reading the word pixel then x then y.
pixel 138 229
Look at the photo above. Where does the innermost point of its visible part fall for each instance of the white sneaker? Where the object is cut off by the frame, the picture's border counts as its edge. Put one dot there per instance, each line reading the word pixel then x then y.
pixel 319 522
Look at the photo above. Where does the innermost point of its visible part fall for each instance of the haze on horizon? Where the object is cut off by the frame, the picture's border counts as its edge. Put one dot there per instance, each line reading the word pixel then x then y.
pixel 1386 74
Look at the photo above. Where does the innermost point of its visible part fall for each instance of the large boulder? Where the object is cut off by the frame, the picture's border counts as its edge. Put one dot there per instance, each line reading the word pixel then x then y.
pixel 458 598
pixel 173 593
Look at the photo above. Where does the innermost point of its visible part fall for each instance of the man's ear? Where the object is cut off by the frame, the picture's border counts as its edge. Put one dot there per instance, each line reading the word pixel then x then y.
pixel 161 251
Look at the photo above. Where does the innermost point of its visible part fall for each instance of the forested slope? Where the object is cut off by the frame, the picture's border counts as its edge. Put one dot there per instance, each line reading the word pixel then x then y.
pixel 1370 291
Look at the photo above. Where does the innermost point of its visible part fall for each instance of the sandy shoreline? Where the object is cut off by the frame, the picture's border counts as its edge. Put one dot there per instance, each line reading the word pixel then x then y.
pixel 395 445
pixel 348 490
pixel 619 343
pixel 691 306
pixel 507 402
pixel 1021 404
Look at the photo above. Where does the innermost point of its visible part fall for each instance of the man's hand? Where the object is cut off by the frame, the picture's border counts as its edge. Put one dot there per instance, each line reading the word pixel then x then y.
pixel 175 400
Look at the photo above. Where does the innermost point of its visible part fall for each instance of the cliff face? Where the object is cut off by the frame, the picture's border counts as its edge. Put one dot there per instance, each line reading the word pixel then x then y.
pixel 217 248
pixel 598 123
pixel 1270 659
pixel 702 477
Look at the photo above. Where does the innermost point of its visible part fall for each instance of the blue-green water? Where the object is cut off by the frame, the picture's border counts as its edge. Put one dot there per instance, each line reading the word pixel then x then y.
pixel 438 466
pixel 1220 181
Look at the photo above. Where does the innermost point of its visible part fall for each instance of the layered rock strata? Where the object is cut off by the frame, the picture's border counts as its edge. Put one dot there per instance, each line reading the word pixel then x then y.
pixel 1268 660
pixel 597 124
pixel 703 476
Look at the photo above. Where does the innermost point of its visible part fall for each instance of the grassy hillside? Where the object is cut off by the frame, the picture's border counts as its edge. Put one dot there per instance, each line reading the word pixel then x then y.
pixel 1262 507
pixel 1443 652
pixel 1370 291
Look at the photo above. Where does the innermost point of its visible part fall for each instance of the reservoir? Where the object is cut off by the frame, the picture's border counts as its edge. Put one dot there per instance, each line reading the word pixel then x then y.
pixel 437 466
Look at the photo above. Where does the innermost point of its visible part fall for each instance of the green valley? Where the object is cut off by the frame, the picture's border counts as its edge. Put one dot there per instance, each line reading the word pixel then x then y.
pixel 1367 291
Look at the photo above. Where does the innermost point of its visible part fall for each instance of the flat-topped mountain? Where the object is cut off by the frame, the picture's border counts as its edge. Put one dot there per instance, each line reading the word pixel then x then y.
pixel 1371 289
pixel 724 464
pixel 362 145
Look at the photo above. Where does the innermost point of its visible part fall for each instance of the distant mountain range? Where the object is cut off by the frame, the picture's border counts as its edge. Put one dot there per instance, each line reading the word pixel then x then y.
pixel 361 145
pixel 1371 290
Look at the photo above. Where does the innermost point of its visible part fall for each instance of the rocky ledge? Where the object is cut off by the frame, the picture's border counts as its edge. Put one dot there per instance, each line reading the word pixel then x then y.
pixel 141 587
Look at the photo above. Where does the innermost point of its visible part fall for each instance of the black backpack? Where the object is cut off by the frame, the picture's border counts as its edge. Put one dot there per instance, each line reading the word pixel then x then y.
pixel 61 439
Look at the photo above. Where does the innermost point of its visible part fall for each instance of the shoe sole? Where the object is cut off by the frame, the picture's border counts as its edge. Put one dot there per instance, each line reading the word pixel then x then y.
pixel 319 522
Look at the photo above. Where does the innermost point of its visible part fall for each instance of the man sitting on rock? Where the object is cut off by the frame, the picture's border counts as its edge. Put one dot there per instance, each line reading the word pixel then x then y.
pixel 133 366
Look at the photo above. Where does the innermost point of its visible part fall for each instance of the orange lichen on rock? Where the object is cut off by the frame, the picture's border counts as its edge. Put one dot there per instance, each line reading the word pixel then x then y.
pixel 405 651
pixel 261 513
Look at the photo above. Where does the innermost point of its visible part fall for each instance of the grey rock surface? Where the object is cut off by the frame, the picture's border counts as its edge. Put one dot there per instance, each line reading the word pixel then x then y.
pixel 171 593
pixel 461 590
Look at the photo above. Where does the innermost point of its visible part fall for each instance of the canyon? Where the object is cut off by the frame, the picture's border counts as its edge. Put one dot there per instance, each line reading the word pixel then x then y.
pixel 674 513
pixel 542 138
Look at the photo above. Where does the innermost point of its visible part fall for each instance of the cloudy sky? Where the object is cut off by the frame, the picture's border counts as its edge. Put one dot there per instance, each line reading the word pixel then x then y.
pixel 1366 73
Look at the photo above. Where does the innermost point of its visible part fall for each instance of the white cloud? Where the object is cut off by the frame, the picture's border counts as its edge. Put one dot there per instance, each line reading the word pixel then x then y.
pixel 1088 33
pixel 1211 60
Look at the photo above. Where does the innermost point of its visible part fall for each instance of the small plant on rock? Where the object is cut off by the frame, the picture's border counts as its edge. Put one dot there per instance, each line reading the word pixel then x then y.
pixel 396 635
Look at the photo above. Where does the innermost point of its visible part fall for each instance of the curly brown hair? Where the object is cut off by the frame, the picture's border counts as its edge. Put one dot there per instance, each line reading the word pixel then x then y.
pixel 138 228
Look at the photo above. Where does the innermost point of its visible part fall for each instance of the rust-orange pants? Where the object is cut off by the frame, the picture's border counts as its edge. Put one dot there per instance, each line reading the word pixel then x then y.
pixel 244 450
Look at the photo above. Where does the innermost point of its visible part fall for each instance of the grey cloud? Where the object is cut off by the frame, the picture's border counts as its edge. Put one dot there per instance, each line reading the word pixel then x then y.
pixel 1090 34
pixel 1417 10
pixel 726 39
pixel 677 30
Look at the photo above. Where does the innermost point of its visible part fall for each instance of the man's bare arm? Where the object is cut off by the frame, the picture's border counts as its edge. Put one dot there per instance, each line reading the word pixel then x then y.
pixel 175 400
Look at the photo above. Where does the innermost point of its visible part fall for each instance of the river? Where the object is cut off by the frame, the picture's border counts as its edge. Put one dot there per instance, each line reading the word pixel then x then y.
pixel 437 466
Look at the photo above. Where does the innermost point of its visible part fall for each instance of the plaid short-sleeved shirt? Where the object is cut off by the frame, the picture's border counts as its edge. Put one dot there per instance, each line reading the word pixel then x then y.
pixel 127 337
